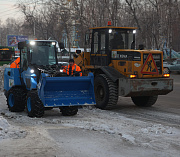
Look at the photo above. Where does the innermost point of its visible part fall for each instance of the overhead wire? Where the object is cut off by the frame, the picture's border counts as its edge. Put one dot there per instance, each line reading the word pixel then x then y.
pixel 10 10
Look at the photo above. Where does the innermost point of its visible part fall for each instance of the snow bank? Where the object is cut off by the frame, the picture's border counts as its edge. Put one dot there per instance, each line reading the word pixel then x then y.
pixel 3 123
pixel 136 132
pixel 8 131
pixel 132 131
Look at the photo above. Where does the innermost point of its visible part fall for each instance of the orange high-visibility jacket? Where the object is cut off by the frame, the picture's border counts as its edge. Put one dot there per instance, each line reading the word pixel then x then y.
pixel 15 64
pixel 74 69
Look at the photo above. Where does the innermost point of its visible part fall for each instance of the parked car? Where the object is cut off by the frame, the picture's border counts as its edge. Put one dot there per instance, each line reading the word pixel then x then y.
pixel 63 63
pixel 174 66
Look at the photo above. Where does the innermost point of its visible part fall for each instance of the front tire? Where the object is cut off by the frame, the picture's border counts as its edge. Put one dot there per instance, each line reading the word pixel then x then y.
pixel 69 110
pixel 106 92
pixel 34 105
pixel 16 99
pixel 144 101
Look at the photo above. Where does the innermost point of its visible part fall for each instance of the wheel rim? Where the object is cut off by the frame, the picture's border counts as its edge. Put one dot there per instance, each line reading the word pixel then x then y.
pixel 100 93
pixel 11 100
pixel 29 104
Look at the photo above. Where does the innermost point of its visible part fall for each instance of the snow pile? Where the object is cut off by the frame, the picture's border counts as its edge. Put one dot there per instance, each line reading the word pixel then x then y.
pixel 132 131
pixel 3 123
pixel 7 131
pixel 158 129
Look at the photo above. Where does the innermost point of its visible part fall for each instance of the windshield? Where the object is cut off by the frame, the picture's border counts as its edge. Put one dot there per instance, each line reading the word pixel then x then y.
pixel 43 53
pixel 121 39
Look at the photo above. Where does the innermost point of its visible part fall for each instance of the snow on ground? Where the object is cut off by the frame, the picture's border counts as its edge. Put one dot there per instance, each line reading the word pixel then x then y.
pixel 8 131
pixel 133 131
pixel 136 133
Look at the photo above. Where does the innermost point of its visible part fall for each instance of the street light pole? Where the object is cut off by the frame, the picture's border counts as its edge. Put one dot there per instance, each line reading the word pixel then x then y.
pixel 34 29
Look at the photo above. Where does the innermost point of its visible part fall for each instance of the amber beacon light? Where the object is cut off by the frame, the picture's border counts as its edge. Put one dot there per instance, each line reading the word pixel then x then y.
pixel 109 23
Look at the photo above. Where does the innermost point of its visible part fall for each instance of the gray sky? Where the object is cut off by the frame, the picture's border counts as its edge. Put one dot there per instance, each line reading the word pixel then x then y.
pixel 9 10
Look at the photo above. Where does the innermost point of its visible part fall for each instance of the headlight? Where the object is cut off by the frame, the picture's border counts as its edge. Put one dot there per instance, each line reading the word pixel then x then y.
pixel 32 43
pixel 61 70
pixel 53 43
pixel 110 30
pixel 32 71
pixel 134 31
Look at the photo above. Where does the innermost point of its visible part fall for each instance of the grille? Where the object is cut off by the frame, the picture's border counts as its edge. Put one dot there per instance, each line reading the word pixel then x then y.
pixel 157 59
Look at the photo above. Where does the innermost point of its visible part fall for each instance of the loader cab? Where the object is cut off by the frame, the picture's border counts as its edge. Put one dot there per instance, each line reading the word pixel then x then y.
pixel 107 39
pixel 37 52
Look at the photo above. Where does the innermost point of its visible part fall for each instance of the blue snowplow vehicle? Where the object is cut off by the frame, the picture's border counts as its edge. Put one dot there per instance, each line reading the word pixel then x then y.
pixel 40 84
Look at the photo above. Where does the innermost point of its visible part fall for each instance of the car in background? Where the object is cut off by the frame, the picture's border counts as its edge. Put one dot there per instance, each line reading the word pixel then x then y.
pixel 173 67
pixel 63 63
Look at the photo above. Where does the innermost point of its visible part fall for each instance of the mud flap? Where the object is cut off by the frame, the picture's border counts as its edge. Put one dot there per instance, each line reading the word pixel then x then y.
pixel 66 91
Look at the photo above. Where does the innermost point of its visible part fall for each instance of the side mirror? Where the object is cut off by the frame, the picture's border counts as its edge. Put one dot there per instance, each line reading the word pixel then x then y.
pixel 87 38
pixel 78 51
pixel 21 45
pixel 61 45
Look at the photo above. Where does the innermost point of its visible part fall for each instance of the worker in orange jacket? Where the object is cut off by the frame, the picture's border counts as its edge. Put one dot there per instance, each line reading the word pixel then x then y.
pixel 72 69
pixel 15 64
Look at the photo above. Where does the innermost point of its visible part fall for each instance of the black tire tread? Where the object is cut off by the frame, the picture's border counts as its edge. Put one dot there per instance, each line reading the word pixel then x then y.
pixel 113 93
pixel 20 99
pixel 69 110
pixel 37 107
pixel 144 101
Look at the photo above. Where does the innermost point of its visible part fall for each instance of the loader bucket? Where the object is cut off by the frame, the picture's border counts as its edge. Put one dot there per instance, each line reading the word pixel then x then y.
pixel 66 91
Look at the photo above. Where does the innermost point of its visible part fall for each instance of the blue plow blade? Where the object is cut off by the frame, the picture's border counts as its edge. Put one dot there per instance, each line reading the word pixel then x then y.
pixel 66 91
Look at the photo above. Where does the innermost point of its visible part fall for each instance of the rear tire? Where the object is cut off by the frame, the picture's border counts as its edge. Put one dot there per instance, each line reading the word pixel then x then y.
pixel 106 92
pixel 69 110
pixel 144 101
pixel 16 99
pixel 34 105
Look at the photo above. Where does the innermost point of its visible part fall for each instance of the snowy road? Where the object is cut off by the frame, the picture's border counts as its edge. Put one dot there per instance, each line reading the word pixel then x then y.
pixel 123 132
pixel 166 110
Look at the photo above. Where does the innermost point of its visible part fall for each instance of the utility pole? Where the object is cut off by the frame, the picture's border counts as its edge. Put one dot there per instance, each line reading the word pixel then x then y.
pixel 170 27
pixel 34 28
